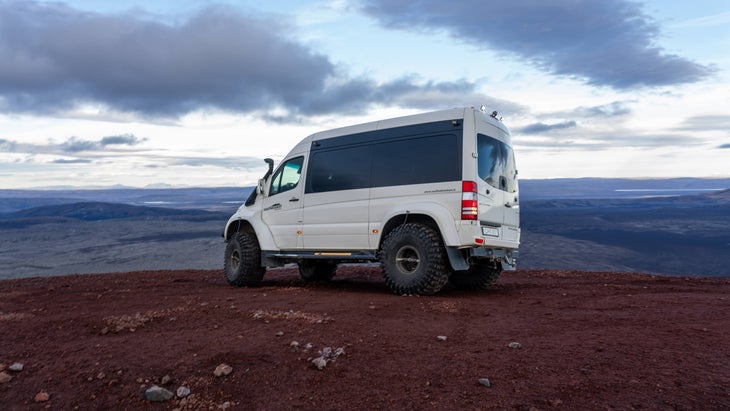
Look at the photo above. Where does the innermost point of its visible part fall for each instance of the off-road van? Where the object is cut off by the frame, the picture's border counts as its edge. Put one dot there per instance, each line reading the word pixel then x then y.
pixel 433 197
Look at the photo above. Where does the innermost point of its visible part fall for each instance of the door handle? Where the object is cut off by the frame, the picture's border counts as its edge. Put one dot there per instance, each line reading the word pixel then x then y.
pixel 293 199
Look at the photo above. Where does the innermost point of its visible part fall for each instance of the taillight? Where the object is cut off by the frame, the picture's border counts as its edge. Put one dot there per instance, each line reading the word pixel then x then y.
pixel 469 203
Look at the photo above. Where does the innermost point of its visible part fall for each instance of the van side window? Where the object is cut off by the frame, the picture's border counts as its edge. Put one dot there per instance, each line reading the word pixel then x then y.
pixel 415 154
pixel 339 169
pixel 430 159
pixel 286 176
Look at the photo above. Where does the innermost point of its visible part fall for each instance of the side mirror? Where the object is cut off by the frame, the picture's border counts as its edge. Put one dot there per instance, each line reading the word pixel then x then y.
pixel 262 181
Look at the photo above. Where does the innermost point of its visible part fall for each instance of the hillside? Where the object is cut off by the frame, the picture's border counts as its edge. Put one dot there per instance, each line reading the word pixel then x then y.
pixel 543 340
pixel 684 235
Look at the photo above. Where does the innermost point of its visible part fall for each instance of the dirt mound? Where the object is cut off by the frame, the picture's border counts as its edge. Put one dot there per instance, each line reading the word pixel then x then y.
pixel 542 339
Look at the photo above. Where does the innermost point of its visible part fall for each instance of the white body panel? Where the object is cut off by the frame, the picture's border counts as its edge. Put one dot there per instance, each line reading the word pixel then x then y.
pixel 336 220
pixel 354 219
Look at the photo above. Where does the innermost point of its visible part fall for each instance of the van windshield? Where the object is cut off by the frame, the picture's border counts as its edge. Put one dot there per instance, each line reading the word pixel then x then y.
pixel 496 163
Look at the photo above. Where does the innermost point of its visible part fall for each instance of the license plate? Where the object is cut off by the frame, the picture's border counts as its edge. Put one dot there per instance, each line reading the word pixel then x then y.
pixel 490 231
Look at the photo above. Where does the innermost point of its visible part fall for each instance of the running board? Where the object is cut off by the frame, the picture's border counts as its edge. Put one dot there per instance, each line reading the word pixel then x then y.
pixel 275 258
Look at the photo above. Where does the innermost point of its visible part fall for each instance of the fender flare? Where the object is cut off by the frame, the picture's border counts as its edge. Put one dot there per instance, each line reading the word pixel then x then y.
pixel 439 214
pixel 266 239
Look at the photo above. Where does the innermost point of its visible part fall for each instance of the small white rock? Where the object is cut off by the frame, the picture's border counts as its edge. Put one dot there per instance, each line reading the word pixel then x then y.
pixel 17 367
pixel 222 370
pixel 5 377
pixel 182 392
pixel 485 382
pixel 319 362
pixel 157 394
pixel 514 345
pixel 441 337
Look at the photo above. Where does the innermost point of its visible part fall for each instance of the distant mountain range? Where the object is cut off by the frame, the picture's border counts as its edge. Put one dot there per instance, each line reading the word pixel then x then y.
pixel 655 226
pixel 602 188
pixel 229 198
pixel 210 198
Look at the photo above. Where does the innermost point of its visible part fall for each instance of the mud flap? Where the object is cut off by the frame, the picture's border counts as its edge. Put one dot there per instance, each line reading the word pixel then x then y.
pixel 457 259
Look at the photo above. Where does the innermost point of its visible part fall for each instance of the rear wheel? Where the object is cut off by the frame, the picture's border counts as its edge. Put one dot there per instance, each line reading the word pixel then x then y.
pixel 242 265
pixel 317 270
pixel 479 276
pixel 413 260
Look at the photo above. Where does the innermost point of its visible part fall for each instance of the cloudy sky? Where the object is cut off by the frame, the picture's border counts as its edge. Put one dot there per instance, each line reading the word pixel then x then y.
pixel 197 93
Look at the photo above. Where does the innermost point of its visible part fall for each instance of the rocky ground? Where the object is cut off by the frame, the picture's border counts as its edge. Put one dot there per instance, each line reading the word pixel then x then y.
pixel 538 340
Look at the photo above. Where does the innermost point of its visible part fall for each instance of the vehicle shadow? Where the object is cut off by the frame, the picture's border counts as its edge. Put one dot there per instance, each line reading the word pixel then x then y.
pixel 355 279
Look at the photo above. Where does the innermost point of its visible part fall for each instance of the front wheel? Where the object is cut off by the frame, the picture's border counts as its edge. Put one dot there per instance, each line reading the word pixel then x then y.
pixel 242 265
pixel 479 276
pixel 317 270
pixel 413 260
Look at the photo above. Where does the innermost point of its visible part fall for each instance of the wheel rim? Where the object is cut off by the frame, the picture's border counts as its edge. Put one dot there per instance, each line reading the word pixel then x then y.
pixel 407 259
pixel 235 260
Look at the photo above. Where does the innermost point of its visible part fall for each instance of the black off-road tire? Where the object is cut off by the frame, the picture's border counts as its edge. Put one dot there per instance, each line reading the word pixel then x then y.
pixel 242 264
pixel 479 276
pixel 317 270
pixel 413 260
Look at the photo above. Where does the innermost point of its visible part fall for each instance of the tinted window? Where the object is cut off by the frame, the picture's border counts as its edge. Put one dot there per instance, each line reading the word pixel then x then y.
pixel 286 176
pixel 414 161
pixel 496 163
pixel 339 169
pixel 419 153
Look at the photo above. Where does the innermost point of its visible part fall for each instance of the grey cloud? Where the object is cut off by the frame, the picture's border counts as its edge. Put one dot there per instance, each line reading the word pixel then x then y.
pixel 592 140
pixel 225 162
pixel 74 144
pixel 71 161
pixel 614 109
pixel 407 92
pixel 718 122
pixel 56 58
pixel 7 145
pixel 71 145
pixel 121 140
pixel 724 146
pixel 538 128
pixel 607 43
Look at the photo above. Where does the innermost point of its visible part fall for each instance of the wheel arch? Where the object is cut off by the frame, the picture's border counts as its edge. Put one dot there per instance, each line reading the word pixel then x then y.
pixel 238 226
pixel 406 217
pixel 254 226
pixel 431 214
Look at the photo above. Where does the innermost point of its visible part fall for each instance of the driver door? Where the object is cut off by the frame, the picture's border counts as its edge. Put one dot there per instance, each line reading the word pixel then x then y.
pixel 282 207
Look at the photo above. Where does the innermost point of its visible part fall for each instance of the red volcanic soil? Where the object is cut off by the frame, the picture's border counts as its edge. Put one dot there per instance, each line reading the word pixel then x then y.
pixel 586 341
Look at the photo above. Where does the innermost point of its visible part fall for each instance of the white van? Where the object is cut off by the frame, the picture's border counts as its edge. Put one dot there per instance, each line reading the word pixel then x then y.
pixel 432 196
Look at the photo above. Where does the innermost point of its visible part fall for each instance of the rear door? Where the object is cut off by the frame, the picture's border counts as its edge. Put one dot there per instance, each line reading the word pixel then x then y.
pixel 497 186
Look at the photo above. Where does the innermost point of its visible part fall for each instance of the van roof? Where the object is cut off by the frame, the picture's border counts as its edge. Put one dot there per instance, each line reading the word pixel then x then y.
pixel 448 114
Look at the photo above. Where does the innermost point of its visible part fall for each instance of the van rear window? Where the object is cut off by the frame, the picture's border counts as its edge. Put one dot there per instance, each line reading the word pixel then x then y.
pixel 496 163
